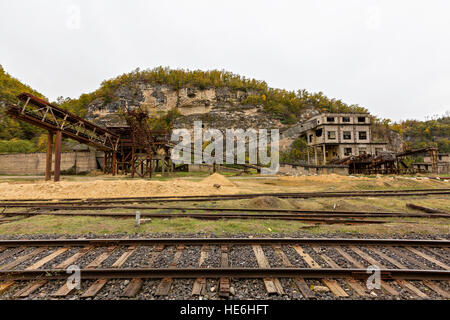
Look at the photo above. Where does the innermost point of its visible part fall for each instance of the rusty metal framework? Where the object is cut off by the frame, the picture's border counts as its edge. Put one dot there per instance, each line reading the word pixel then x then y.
pixel 41 113
pixel 139 153
pixel 60 122
pixel 386 162
pixel 133 148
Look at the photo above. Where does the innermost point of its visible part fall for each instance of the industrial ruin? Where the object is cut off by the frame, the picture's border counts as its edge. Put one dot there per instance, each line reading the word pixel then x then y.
pixel 335 136
pixel 131 149
pixel 339 143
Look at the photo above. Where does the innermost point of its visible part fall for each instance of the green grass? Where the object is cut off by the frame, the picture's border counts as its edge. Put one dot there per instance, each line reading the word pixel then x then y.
pixel 47 224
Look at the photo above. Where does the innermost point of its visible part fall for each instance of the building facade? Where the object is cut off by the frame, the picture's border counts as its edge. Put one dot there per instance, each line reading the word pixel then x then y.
pixel 443 164
pixel 333 136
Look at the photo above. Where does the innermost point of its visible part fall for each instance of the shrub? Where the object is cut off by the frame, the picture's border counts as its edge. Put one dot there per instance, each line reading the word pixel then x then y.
pixel 16 146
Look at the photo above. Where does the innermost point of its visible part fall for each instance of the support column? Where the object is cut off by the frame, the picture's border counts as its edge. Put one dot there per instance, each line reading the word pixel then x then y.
pixel 132 162
pixel 315 156
pixel 324 155
pixel 105 161
pixel 58 141
pixel 170 165
pixel 150 156
pixel 307 152
pixel 114 163
pixel 48 159
pixel 434 161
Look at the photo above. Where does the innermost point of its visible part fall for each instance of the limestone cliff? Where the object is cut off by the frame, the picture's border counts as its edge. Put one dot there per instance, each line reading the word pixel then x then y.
pixel 220 108
pixel 217 107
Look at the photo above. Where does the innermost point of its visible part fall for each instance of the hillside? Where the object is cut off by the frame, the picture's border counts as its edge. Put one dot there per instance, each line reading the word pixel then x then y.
pixel 220 99
pixel 419 134
pixel 212 96
pixel 15 136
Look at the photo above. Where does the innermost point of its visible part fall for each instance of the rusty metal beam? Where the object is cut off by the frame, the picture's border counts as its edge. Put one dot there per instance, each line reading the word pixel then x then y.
pixel 42 114
pixel 228 241
pixel 58 140
pixel 415 151
pixel 114 163
pixel 48 158
pixel 105 161
pixel 192 273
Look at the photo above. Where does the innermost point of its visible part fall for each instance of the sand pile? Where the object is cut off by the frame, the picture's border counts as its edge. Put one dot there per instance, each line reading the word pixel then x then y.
pixel 266 202
pixel 321 178
pixel 217 178
pixel 106 189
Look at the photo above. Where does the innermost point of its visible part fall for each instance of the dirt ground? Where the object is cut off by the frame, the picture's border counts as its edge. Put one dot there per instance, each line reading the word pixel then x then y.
pixel 104 187
pixel 85 187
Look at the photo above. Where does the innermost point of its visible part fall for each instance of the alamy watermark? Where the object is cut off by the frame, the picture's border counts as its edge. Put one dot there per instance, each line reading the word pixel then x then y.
pixel 74 280
pixel 73 21
pixel 261 151
pixel 374 280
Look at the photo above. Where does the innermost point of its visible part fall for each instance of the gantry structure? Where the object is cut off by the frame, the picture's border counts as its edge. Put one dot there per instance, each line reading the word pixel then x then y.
pixel 124 147
pixel 58 123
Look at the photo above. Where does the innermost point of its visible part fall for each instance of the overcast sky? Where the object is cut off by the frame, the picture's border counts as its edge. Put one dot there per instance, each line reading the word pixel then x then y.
pixel 392 57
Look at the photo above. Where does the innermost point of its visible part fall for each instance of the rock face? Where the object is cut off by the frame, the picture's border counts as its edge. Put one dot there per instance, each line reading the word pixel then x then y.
pixel 219 108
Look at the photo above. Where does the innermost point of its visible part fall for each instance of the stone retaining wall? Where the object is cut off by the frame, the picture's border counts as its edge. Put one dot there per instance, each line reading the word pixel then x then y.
pixel 34 163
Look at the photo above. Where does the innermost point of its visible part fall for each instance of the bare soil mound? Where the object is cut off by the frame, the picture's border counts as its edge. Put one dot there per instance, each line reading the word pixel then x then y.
pixel 266 202
pixel 217 178
pixel 106 189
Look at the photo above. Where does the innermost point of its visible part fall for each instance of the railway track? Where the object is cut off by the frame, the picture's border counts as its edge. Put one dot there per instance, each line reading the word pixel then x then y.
pixel 302 195
pixel 223 267
pixel 310 216
pixel 79 208
pixel 330 217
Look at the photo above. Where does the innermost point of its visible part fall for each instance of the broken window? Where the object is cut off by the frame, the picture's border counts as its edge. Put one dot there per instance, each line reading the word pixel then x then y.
pixel 332 135
pixel 330 119
pixel 362 135
pixel 318 132
pixel 347 135
pixel 310 138
pixel 347 151
pixel 345 119
pixel 361 119
pixel 362 150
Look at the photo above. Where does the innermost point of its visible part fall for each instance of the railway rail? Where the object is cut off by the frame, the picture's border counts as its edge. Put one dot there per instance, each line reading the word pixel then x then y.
pixel 307 216
pixel 80 207
pixel 303 195
pixel 32 268
pixel 329 218
pixel 235 211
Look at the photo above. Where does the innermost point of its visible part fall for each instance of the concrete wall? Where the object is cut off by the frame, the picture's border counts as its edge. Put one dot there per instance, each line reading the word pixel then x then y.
pixel 338 131
pixel 356 149
pixel 443 167
pixel 442 157
pixel 34 163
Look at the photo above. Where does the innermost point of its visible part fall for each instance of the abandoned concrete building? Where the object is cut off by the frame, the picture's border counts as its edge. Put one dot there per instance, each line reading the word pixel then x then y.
pixel 334 136
pixel 443 164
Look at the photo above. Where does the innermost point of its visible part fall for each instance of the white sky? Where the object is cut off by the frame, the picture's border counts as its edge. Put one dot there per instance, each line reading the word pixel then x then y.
pixel 392 57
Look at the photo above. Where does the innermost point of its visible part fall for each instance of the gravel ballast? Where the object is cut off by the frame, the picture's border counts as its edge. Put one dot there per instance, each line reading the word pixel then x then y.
pixel 238 256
